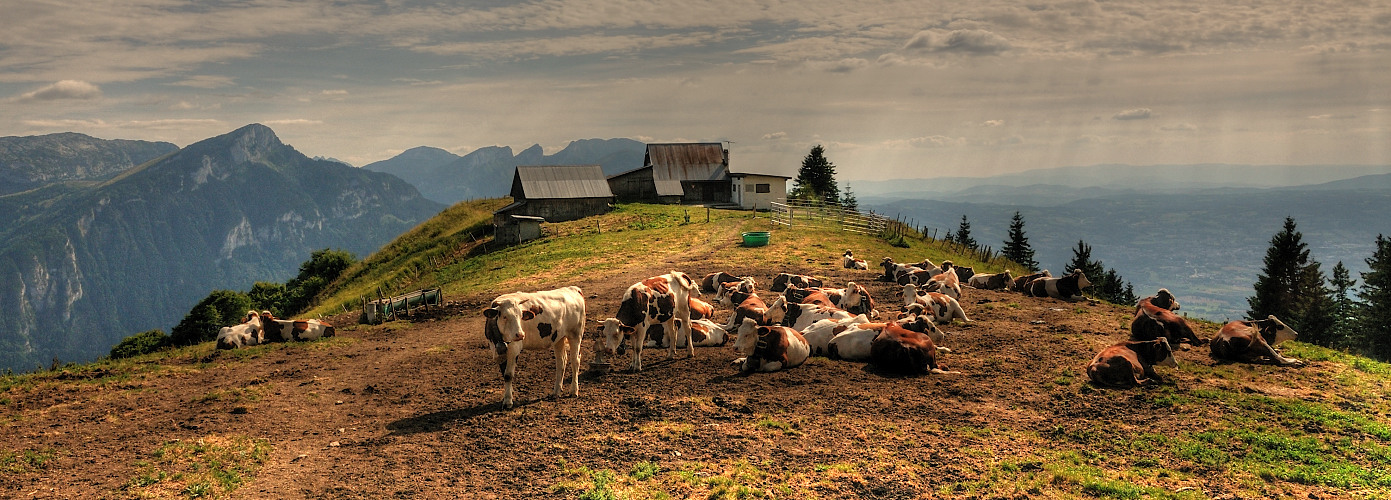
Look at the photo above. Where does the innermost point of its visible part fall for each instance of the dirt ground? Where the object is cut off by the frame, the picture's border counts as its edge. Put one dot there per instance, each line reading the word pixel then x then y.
pixel 414 412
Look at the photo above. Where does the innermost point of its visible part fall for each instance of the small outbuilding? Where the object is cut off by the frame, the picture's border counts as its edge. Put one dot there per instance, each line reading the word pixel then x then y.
pixel 757 191
pixel 551 193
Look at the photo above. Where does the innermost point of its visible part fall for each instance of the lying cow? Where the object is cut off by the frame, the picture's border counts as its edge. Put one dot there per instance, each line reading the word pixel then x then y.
pixel 1130 363
pixel 855 343
pixel 856 300
pixel 942 306
pixel 964 273
pixel 1067 288
pixel 899 350
pixel 850 262
pixel 1162 299
pixel 768 348
pixel 820 333
pixel 828 297
pixel 784 280
pixel 997 281
pixel 285 330
pixel 246 334
pixel 800 316
pixel 1021 284
pixel 712 281
pixel 892 269
pixel 1253 342
pixel 946 282
pixel 659 300
pixel 745 304
pixel 704 333
pixel 1152 321
pixel 536 320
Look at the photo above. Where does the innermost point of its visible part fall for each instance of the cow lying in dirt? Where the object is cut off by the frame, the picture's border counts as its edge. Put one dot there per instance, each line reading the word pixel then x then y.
pixel 1067 288
pixel 1153 321
pixel 246 334
pixel 997 281
pixel 856 342
pixel 849 261
pixel 943 307
pixel 820 333
pixel 768 348
pixel 285 330
pixel 704 333
pixel 1130 363
pixel 899 350
pixel 1253 342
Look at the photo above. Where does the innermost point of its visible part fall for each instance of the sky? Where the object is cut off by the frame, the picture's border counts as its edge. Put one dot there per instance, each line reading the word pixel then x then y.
pixel 891 89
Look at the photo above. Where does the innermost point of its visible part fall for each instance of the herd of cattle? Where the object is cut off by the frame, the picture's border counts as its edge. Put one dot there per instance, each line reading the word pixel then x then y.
pixel 799 317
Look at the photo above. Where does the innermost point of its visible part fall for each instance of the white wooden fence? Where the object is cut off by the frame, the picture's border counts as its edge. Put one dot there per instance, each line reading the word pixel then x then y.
pixel 800 212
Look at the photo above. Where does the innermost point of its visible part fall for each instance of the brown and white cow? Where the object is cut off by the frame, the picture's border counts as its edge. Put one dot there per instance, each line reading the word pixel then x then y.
pixel 800 316
pixel 820 333
pixel 536 320
pixel 1254 341
pixel 285 330
pixel 247 333
pixel 704 333
pixel 1021 284
pixel 857 300
pixel 1162 299
pixel 899 350
pixel 945 282
pixel 820 296
pixel 1152 321
pixel 659 300
pixel 784 280
pixel 849 261
pixel 943 307
pixel 1130 363
pixel 997 281
pixel 892 269
pixel 855 342
pixel 712 281
pixel 1067 288
pixel 768 348
pixel 745 304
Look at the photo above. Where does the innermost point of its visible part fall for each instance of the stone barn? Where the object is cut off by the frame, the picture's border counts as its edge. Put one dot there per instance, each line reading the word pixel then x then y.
pixel 554 193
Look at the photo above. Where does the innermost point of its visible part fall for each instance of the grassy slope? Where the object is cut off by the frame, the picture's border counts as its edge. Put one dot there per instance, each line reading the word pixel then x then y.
pixel 1328 428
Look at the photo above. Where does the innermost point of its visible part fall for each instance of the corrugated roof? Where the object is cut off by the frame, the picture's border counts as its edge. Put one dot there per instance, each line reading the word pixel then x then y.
pixel 561 181
pixel 700 161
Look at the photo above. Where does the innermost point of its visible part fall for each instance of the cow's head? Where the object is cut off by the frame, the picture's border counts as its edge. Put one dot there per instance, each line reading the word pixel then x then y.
pixel 680 279
pixel 909 294
pixel 1163 353
pixel 1082 281
pixel 614 332
pixel 1275 331
pixel 1164 299
pixel 508 314
pixel 776 311
pixel 747 338
pixel 849 254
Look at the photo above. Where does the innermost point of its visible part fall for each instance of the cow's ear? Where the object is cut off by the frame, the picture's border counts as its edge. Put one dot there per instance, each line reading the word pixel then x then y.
pixel 490 312
pixel 527 315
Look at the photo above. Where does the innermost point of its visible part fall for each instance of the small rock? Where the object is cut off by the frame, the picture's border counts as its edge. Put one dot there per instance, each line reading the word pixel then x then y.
pixel 334 444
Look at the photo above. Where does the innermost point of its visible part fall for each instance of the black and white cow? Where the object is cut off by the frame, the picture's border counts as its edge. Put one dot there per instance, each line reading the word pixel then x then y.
pixel 1067 288
pixel 247 333
pixel 849 261
pixel 536 320
pixel 997 281
pixel 784 280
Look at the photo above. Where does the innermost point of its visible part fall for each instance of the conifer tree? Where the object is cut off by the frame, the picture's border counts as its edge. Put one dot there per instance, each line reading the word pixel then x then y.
pixel 1374 320
pixel 1291 287
pixel 816 180
pixel 963 234
pixel 1017 246
pixel 1082 259
pixel 1343 334
pixel 848 199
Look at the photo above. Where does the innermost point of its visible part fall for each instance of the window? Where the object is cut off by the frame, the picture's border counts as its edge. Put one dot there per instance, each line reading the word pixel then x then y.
pixel 748 188
pixel 763 188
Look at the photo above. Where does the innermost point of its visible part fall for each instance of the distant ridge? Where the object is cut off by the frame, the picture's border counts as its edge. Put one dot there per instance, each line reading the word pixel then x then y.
pixel 83 266
pixel 35 161
pixel 487 172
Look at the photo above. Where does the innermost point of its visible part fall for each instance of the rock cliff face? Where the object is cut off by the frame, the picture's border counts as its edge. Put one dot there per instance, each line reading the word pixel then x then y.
pixel 83 267
pixel 30 162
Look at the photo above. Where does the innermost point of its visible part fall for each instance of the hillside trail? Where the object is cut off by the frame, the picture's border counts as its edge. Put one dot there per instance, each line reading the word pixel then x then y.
pixel 413 412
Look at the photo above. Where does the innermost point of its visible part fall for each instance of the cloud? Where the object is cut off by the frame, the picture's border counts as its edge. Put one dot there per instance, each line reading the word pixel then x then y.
pixel 162 124
pixel 972 41
pixel 929 142
pixel 334 92
pixel 1181 127
pixel 842 66
pixel 992 123
pixel 1132 114
pixel 205 81
pixel 775 136
pixel 1333 117
pixel 63 90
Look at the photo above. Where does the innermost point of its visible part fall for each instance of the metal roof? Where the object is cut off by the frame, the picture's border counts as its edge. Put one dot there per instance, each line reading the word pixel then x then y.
pixel 699 161
pixel 560 181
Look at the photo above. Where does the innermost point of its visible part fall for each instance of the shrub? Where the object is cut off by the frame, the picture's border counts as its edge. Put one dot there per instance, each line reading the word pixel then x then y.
pixel 140 343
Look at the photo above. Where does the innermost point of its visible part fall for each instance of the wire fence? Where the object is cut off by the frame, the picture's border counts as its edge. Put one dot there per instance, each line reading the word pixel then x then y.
pixel 810 213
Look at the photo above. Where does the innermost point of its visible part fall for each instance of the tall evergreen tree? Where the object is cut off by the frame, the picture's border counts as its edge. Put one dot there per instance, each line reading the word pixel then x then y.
pixel 848 199
pixel 963 234
pixel 816 180
pixel 1344 308
pixel 1017 246
pixel 1082 259
pixel 1107 284
pixel 1374 320
pixel 1291 287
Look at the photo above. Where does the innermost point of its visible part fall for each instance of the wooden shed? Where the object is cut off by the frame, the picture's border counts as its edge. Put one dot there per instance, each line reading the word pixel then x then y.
pixel 677 173
pixel 555 193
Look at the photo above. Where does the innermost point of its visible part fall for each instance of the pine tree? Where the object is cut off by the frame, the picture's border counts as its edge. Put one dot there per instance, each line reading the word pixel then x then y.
pixel 816 180
pixel 1017 248
pixel 1374 320
pixel 1082 259
pixel 1107 284
pixel 1291 287
pixel 1344 308
pixel 848 200
pixel 963 234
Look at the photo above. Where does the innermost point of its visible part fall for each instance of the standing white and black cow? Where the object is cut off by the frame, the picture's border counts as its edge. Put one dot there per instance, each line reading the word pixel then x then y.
pixel 657 300
pixel 536 320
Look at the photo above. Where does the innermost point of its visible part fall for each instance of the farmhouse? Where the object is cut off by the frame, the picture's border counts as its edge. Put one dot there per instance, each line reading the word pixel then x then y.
pixel 551 193
pixel 696 173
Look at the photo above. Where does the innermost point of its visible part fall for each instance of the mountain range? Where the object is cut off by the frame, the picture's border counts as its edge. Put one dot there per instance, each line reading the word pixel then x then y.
pixel 34 161
pixel 85 263
pixel 487 172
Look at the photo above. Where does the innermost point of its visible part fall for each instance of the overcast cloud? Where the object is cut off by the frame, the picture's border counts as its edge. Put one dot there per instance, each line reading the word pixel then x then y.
pixel 891 88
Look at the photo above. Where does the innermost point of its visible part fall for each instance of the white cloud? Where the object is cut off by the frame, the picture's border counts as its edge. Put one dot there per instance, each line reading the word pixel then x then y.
pixel 206 81
pixel 63 90
pixel 992 123
pixel 929 142
pixel 775 136
pixel 1180 127
pixel 334 92
pixel 972 41
pixel 1133 114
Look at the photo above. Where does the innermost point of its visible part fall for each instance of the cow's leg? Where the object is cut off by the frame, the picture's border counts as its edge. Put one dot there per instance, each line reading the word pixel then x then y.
pixel 639 338
pixel 574 344
pixel 560 348
pixel 686 333
pixel 1261 348
pixel 507 361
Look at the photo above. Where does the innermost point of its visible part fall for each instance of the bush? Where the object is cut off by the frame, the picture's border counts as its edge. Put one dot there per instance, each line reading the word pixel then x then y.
pixel 220 308
pixel 140 343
